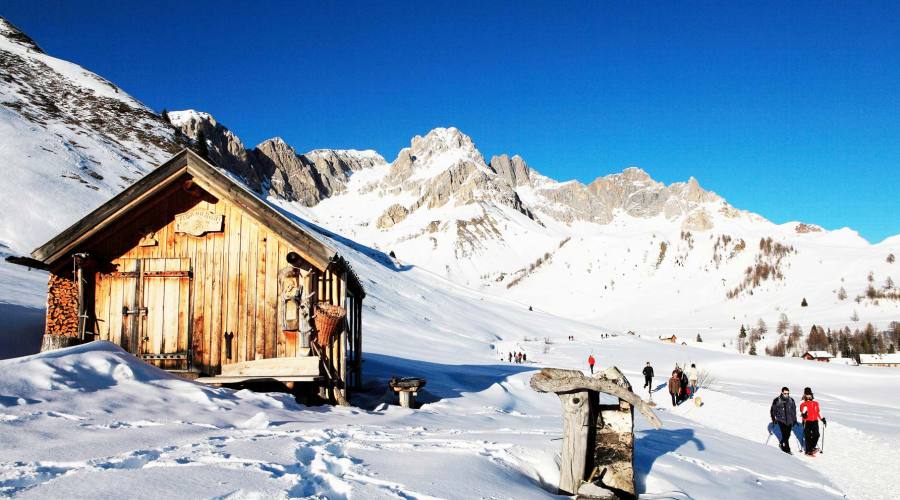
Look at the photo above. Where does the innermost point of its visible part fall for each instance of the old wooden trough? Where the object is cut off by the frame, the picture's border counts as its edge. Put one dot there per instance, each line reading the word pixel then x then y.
pixel 598 437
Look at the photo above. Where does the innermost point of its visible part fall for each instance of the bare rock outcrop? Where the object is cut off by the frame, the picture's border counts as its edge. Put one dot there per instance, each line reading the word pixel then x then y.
pixel 512 169
pixel 393 215
pixel 225 149
pixel 696 221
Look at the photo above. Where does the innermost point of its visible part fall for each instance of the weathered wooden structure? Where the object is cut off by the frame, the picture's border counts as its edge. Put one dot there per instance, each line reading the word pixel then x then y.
pixel 598 436
pixel 407 388
pixel 192 272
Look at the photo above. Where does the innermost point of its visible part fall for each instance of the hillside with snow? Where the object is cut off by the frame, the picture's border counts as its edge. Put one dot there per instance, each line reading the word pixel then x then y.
pixel 476 244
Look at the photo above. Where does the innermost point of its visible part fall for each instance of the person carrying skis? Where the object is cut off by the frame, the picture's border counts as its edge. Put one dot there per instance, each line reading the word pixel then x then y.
pixel 591 362
pixel 648 376
pixel 692 376
pixel 674 386
pixel 784 413
pixel 811 414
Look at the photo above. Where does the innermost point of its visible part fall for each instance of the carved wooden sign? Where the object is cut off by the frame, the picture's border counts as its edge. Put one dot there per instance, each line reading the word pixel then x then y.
pixel 198 222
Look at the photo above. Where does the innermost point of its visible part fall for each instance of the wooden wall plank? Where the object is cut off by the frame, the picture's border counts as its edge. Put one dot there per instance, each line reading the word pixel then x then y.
pixel 231 279
pixel 281 350
pixel 217 292
pixel 273 322
pixel 259 300
pixel 243 282
pixel 116 301
pixel 153 294
pixel 184 306
pixel 101 306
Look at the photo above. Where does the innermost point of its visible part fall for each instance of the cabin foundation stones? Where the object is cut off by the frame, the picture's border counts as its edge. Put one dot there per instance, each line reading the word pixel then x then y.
pixel 598 431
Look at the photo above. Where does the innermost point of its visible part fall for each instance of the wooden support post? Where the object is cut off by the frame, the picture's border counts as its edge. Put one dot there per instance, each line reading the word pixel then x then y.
pixel 407 399
pixel 598 440
pixel 573 459
pixel 51 342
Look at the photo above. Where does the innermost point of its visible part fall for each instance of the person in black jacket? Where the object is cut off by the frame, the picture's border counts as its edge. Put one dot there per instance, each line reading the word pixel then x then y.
pixel 648 376
pixel 784 413
pixel 684 384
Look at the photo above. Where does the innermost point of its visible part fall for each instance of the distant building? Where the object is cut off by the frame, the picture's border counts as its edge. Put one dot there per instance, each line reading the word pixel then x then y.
pixel 823 356
pixel 892 360
pixel 671 339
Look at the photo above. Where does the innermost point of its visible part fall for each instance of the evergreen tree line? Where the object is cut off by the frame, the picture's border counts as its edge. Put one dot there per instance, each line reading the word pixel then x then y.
pixel 842 342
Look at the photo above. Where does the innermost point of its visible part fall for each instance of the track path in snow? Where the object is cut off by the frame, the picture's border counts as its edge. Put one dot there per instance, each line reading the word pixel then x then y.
pixel 862 465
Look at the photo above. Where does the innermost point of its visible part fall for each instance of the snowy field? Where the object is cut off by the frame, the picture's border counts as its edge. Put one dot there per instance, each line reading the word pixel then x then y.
pixel 92 421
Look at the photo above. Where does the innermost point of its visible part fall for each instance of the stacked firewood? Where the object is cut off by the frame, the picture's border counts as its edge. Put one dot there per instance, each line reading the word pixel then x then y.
pixel 62 306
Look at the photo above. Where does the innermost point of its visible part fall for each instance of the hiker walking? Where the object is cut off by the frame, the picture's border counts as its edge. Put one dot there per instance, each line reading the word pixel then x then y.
pixel 510 356
pixel 648 376
pixel 524 357
pixel 811 414
pixel 684 384
pixel 591 362
pixel 692 379
pixel 784 413
pixel 674 386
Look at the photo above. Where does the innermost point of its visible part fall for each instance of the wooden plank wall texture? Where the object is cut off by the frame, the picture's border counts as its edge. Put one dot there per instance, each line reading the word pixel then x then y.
pixel 235 279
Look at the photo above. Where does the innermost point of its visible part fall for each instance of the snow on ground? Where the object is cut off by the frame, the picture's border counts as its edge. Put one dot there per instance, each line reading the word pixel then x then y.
pixel 94 421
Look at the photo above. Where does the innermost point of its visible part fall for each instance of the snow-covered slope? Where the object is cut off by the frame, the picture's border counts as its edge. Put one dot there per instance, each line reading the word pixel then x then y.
pixel 94 421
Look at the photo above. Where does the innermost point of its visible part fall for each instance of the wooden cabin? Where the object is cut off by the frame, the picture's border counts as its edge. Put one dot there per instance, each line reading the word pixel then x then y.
pixel 822 356
pixel 190 271
pixel 671 339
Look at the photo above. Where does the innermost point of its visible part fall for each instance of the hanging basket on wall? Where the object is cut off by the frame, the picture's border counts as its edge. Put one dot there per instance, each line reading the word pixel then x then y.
pixel 328 321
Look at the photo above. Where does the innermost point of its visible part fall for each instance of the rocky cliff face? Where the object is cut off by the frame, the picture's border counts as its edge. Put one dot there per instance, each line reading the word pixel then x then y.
pixel 273 167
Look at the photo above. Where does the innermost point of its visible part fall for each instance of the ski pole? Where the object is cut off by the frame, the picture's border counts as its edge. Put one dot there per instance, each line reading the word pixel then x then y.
pixel 822 449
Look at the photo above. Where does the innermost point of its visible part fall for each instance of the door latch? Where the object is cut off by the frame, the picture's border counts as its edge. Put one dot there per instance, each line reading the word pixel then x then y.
pixel 140 310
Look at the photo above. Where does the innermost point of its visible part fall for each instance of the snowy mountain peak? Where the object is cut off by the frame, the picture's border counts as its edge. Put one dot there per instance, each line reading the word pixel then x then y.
pixel 443 139
pixel 15 35
pixel 190 116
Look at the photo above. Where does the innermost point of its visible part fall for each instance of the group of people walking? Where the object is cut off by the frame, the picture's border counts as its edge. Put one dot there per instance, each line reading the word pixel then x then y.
pixel 682 384
pixel 784 414
pixel 517 357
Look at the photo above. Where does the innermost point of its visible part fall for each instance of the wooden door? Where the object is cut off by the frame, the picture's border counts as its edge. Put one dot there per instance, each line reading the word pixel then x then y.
pixel 165 297
pixel 116 304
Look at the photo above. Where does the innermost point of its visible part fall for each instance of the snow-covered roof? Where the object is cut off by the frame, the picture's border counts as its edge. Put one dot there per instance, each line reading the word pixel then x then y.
pixel 869 359
pixel 819 354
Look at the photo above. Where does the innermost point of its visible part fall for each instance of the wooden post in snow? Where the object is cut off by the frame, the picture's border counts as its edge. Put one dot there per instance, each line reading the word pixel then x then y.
pixel 598 441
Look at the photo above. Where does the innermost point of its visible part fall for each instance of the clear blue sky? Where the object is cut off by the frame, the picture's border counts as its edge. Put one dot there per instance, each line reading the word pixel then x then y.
pixel 786 109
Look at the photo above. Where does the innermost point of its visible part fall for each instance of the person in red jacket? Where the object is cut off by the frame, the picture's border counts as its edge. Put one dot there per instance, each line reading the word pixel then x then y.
pixel 591 362
pixel 811 413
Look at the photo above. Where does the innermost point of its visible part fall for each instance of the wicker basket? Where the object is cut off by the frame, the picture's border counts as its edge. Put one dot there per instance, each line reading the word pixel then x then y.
pixel 328 320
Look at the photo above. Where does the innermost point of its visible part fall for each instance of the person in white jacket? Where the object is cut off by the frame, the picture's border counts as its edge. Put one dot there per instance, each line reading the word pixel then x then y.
pixel 693 376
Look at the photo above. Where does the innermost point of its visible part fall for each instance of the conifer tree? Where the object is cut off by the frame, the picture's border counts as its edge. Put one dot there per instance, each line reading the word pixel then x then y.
pixel 803 302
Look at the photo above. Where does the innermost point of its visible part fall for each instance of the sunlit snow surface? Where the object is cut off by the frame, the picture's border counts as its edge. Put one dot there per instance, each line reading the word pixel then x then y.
pixel 94 421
